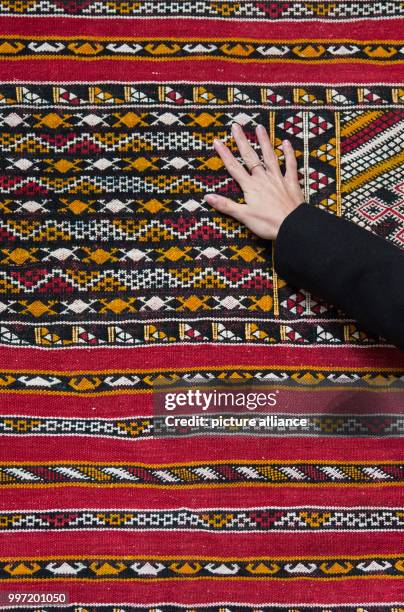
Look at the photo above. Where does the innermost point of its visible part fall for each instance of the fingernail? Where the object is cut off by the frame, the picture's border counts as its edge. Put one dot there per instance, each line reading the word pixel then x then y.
pixel 260 126
pixel 217 141
pixel 285 143
pixel 210 197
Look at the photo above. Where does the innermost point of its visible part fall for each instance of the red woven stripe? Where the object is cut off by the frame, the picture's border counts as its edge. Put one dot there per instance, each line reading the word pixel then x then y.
pixel 131 405
pixel 238 497
pixel 141 404
pixel 196 71
pixel 366 29
pixel 204 545
pixel 224 590
pixel 199 356
pixel 203 449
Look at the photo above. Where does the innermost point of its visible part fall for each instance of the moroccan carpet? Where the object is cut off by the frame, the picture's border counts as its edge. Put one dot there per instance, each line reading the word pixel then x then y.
pixel 117 279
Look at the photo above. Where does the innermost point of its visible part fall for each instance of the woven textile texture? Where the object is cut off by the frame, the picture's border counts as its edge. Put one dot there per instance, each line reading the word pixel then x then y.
pixel 116 278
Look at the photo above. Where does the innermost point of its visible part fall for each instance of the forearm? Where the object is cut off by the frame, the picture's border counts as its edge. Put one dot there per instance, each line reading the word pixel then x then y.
pixel 348 266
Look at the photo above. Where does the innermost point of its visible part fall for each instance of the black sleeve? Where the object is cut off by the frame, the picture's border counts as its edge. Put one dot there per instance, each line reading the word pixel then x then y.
pixel 346 265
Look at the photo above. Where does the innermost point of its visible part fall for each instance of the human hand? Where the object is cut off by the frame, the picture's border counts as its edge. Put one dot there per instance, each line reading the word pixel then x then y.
pixel 269 195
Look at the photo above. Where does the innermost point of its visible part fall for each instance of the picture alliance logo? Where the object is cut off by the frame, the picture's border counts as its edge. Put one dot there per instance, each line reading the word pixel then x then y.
pixel 203 401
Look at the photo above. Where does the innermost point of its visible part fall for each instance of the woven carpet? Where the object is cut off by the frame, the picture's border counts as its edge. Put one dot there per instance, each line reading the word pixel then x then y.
pixel 116 278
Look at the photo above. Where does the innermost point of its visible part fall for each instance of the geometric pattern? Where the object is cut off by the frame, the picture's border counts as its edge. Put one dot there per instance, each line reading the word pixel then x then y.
pixel 233 608
pixel 213 519
pixel 371 165
pixel 118 282
pixel 137 379
pixel 172 476
pixel 135 568
pixel 257 9
pixel 364 425
pixel 126 48
pixel 79 269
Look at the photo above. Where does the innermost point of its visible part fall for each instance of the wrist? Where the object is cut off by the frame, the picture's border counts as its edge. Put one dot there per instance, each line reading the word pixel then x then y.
pixel 283 216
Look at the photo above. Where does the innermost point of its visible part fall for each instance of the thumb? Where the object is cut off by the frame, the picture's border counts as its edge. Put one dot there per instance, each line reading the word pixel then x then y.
pixel 227 206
